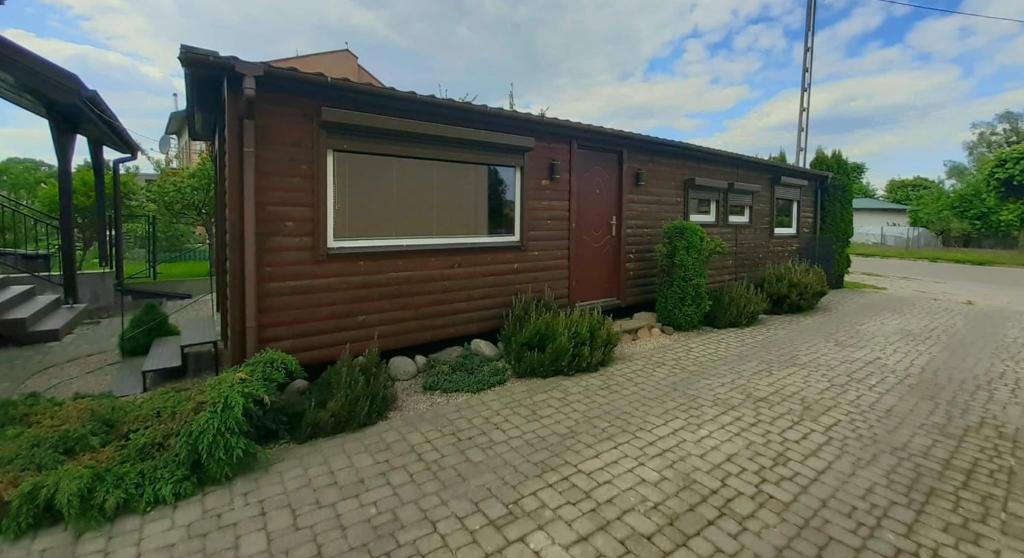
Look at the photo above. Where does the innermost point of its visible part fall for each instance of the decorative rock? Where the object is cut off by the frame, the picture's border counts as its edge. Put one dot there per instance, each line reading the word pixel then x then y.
pixel 402 368
pixel 643 333
pixel 483 348
pixel 648 318
pixel 449 354
pixel 627 337
pixel 421 363
pixel 655 332
pixel 295 390
pixel 668 330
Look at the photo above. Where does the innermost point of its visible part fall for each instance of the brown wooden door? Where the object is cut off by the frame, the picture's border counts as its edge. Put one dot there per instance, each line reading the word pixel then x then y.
pixel 597 227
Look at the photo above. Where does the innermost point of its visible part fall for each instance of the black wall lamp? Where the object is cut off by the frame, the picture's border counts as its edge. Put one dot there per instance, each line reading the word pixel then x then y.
pixel 641 177
pixel 555 170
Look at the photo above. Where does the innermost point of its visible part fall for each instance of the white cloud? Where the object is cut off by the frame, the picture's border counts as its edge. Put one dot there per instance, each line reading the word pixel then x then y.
pixel 892 85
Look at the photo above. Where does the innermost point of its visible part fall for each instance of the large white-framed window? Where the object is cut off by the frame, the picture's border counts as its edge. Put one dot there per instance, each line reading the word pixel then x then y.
pixel 787 215
pixel 378 200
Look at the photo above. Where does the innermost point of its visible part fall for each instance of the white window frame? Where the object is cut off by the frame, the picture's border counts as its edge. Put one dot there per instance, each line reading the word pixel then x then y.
pixel 738 219
pixel 795 215
pixel 333 242
pixel 701 218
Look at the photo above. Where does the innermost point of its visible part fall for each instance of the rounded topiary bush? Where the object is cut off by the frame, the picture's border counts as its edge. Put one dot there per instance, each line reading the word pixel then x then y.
pixel 794 287
pixel 736 305
pixel 148 324
pixel 683 255
pixel 468 373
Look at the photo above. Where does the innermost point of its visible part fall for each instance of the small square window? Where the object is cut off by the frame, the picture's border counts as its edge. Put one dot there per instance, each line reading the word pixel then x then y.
pixel 703 210
pixel 739 214
pixel 786 216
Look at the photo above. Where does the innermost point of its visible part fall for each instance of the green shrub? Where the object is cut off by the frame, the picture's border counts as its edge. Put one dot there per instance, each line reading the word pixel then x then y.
pixel 541 340
pixel 736 305
pixel 794 287
pixel 351 394
pixel 151 322
pixel 468 373
pixel 837 208
pixel 88 459
pixel 682 256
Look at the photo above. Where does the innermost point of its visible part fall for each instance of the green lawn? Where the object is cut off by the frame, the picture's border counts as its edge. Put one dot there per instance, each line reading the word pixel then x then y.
pixel 165 271
pixel 972 256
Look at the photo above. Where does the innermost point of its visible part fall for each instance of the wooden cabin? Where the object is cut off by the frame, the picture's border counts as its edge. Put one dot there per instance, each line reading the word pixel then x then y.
pixel 351 214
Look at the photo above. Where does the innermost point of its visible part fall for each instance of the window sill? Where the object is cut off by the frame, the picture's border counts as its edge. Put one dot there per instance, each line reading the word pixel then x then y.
pixel 784 233
pixel 422 247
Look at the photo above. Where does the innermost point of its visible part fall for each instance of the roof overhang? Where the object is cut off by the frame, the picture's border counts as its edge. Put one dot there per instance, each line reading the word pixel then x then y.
pixel 52 92
pixel 205 71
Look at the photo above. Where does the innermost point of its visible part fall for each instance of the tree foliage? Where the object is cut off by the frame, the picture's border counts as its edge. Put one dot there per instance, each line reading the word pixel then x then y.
pixel 837 206
pixel 986 195
pixel 864 190
pixel 22 178
pixel 779 157
pixel 83 188
pixel 1006 129
pixel 184 197
pixel 906 190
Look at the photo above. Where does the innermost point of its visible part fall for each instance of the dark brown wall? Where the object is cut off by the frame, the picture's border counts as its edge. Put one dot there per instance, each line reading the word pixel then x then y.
pixel 317 305
pixel 751 247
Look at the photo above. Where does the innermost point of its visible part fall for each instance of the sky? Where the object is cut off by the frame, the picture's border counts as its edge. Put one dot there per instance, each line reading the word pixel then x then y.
pixel 895 87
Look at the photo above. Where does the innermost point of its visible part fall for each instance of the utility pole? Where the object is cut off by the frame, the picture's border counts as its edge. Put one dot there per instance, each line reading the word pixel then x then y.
pixel 804 117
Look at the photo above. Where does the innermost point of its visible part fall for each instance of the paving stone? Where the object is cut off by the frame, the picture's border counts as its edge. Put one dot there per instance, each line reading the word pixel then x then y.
pixel 880 424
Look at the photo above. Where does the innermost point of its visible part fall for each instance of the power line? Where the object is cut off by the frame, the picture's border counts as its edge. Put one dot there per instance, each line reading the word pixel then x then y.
pixel 943 10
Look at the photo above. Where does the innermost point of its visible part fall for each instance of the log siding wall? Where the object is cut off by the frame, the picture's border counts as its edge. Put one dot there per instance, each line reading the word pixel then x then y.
pixel 317 305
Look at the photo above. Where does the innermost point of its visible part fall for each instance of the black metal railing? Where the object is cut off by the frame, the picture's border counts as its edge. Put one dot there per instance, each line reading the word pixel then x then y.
pixel 29 239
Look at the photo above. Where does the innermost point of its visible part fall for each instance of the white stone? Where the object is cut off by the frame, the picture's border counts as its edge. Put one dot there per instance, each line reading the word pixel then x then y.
pixel 656 332
pixel 643 333
pixel 296 389
pixel 668 330
pixel 485 349
pixel 421 363
pixel 647 318
pixel 448 355
pixel 402 368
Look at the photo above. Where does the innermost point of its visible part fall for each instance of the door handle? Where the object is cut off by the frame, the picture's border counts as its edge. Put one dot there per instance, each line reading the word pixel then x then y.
pixel 613 223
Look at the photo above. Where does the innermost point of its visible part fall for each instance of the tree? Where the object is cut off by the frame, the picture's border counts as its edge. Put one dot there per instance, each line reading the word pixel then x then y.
pixel 83 188
pixel 780 157
pixel 837 207
pixel 183 201
pixel 1006 129
pixel 23 178
pixel 864 190
pixel 906 190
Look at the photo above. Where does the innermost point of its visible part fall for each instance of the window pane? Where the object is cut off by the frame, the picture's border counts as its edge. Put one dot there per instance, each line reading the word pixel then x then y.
pixel 737 210
pixel 702 207
pixel 784 213
pixel 380 197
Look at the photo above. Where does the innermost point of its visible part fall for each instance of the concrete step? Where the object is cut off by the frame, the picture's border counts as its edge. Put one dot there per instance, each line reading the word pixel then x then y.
pixel 19 318
pixel 164 354
pixel 13 295
pixel 55 325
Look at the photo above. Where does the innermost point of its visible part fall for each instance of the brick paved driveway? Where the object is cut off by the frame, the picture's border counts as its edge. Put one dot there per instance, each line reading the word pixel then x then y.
pixel 879 425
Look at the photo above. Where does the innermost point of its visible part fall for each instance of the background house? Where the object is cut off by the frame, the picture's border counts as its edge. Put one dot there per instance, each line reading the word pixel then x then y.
pixel 868 212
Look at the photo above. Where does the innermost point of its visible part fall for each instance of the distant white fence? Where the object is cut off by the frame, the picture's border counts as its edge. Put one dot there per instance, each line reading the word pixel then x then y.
pixel 901 237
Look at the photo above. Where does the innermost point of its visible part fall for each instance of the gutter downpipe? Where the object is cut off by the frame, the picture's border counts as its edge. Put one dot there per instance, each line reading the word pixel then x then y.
pixel 118 227
pixel 249 73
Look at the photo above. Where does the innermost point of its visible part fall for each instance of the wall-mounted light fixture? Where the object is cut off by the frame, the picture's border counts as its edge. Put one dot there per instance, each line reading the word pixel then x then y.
pixel 555 170
pixel 641 177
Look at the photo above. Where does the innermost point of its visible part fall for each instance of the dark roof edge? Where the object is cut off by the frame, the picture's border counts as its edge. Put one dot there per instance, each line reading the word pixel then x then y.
pixel 194 56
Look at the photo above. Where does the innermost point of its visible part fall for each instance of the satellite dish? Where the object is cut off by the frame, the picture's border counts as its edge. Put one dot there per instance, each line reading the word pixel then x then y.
pixel 165 144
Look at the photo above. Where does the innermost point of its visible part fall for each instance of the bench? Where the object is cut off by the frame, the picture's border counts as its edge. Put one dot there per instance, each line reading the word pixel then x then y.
pixel 201 332
pixel 164 355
